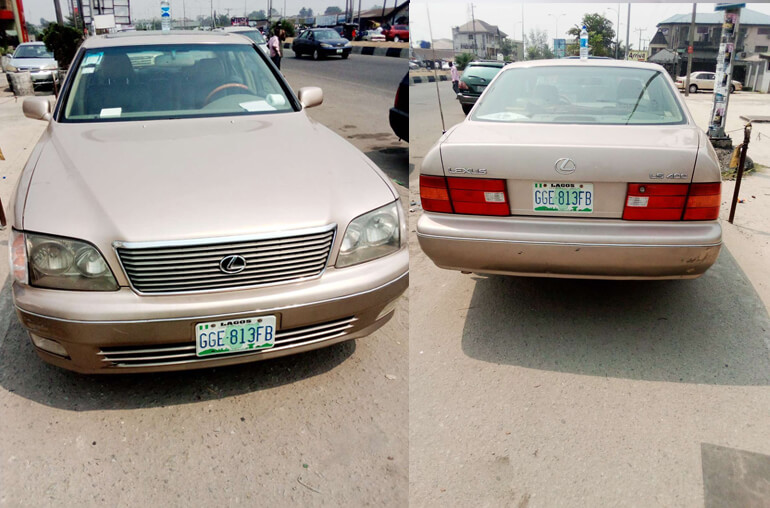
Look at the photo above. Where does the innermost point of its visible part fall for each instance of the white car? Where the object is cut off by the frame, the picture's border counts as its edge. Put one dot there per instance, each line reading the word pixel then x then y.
pixel 704 81
pixel 373 36
pixel 252 33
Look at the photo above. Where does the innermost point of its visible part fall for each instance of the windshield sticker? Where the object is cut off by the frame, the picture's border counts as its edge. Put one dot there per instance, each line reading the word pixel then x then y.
pixel 110 112
pixel 93 59
pixel 254 106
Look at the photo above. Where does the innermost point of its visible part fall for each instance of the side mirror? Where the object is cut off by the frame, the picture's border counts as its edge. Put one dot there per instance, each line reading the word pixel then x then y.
pixel 310 96
pixel 37 108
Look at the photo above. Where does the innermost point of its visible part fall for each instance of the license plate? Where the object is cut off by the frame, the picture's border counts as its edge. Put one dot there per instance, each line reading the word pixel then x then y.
pixel 339 51
pixel 563 197
pixel 234 335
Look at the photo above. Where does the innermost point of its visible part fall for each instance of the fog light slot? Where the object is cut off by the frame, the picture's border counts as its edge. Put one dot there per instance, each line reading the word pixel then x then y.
pixel 387 310
pixel 49 346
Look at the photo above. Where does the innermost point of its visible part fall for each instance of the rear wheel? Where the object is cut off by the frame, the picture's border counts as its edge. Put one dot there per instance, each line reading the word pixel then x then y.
pixel 467 108
pixel 732 88
pixel 693 88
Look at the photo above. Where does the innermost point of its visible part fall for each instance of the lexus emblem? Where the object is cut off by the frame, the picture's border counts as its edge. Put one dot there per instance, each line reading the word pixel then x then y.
pixel 565 166
pixel 232 264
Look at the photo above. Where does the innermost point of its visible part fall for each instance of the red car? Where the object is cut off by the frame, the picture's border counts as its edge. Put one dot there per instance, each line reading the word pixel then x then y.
pixel 397 33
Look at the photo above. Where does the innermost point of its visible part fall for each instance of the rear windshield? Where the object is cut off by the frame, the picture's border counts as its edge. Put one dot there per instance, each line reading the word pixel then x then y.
pixel 581 95
pixel 32 51
pixel 484 72
pixel 254 35
pixel 172 81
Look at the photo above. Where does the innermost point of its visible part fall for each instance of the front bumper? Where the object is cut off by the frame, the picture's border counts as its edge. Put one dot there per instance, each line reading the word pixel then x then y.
pixel 41 77
pixel 570 248
pixel 125 332
pixel 333 51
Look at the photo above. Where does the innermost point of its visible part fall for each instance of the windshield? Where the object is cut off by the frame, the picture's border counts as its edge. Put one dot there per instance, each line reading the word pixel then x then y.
pixel 254 35
pixel 172 81
pixel 581 95
pixel 32 51
pixel 325 35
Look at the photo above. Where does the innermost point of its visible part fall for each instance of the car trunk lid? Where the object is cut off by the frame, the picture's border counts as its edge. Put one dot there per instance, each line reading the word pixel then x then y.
pixel 601 158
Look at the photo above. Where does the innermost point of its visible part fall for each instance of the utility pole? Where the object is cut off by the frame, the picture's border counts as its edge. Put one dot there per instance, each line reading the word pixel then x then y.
pixel 640 30
pixel 59 18
pixel 617 35
pixel 689 53
pixel 628 28
pixel 359 16
pixel 473 27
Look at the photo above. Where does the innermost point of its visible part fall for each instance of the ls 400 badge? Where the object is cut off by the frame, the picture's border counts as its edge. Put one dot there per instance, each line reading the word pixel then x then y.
pixel 671 176
pixel 467 171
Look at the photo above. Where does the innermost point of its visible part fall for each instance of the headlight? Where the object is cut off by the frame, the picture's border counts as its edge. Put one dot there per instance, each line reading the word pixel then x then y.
pixel 10 68
pixel 60 263
pixel 347 45
pixel 371 236
pixel 325 45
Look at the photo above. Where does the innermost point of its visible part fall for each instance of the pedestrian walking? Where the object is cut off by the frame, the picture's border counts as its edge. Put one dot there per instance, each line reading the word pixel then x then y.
pixel 455 77
pixel 274 44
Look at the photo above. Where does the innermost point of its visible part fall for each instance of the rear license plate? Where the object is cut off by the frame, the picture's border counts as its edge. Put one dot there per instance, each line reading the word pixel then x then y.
pixel 563 197
pixel 234 335
pixel 339 51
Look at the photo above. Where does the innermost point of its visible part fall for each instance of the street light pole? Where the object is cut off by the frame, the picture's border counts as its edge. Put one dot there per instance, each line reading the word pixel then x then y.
pixel 628 28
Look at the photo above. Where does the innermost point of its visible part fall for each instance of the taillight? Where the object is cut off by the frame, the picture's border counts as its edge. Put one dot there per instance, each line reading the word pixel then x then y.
pixel 479 196
pixel 704 201
pixel 463 85
pixel 472 196
pixel 434 194
pixel 661 201
pixel 398 92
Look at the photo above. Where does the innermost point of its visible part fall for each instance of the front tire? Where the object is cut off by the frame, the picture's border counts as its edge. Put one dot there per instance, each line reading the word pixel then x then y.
pixel 693 88
pixel 467 108
pixel 732 88
pixel 345 56
pixel 297 54
pixel 316 55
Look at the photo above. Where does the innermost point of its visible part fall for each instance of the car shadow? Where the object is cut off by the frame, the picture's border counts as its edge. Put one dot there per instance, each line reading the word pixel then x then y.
pixel 712 330
pixel 26 375
pixel 393 160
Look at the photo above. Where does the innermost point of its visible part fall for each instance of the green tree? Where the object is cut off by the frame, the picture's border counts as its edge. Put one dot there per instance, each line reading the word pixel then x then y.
pixel 537 45
pixel 223 20
pixel 31 29
pixel 260 14
pixel 332 9
pixel 462 60
pixel 63 41
pixel 286 25
pixel 600 34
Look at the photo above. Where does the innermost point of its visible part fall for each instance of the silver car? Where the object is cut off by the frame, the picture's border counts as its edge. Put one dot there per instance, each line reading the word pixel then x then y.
pixel 163 221
pixel 566 168
pixel 33 57
pixel 252 33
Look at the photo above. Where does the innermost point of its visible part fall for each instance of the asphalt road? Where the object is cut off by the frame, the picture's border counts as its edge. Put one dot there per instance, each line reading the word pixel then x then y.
pixel 327 427
pixel 546 392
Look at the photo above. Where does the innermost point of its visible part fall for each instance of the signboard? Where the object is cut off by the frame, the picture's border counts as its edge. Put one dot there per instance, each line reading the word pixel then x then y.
pixel 639 56
pixel 104 21
pixel 239 21
pixel 690 49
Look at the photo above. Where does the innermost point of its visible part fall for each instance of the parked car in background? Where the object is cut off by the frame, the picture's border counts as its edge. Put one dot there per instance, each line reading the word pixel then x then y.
pixel 347 31
pixel 321 43
pixel 372 36
pixel 252 33
pixel 399 113
pixel 474 80
pixel 137 246
pixel 574 169
pixel 397 33
pixel 35 58
pixel 704 81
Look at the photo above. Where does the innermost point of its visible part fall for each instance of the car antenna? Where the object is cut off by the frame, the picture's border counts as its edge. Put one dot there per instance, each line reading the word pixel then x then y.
pixel 435 74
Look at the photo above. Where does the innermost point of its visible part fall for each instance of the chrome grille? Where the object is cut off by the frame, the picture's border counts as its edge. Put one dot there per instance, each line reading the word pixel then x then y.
pixel 181 267
pixel 172 354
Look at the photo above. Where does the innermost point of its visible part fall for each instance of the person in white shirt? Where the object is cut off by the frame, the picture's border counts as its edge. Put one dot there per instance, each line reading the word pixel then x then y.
pixel 274 45
pixel 455 77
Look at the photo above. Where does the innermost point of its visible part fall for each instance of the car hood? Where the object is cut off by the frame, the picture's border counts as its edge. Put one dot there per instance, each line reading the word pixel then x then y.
pixel 197 178
pixel 32 62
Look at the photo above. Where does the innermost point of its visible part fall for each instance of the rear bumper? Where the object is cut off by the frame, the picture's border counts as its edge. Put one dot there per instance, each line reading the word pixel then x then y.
pixel 467 99
pixel 399 122
pixel 577 248
pixel 107 332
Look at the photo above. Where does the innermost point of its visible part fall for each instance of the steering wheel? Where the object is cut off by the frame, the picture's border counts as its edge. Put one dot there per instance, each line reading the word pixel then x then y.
pixel 222 87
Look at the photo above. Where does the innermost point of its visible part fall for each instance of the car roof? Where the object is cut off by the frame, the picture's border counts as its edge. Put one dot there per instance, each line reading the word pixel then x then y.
pixel 34 43
pixel 146 38
pixel 487 63
pixel 599 62
pixel 241 28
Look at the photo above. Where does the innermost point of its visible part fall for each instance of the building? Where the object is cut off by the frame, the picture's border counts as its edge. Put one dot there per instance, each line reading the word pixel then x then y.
pixel 12 23
pixel 372 18
pixel 753 38
pixel 480 38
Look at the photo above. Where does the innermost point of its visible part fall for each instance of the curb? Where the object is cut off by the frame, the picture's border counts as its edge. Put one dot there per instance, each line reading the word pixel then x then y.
pixel 372 51
pixel 414 80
